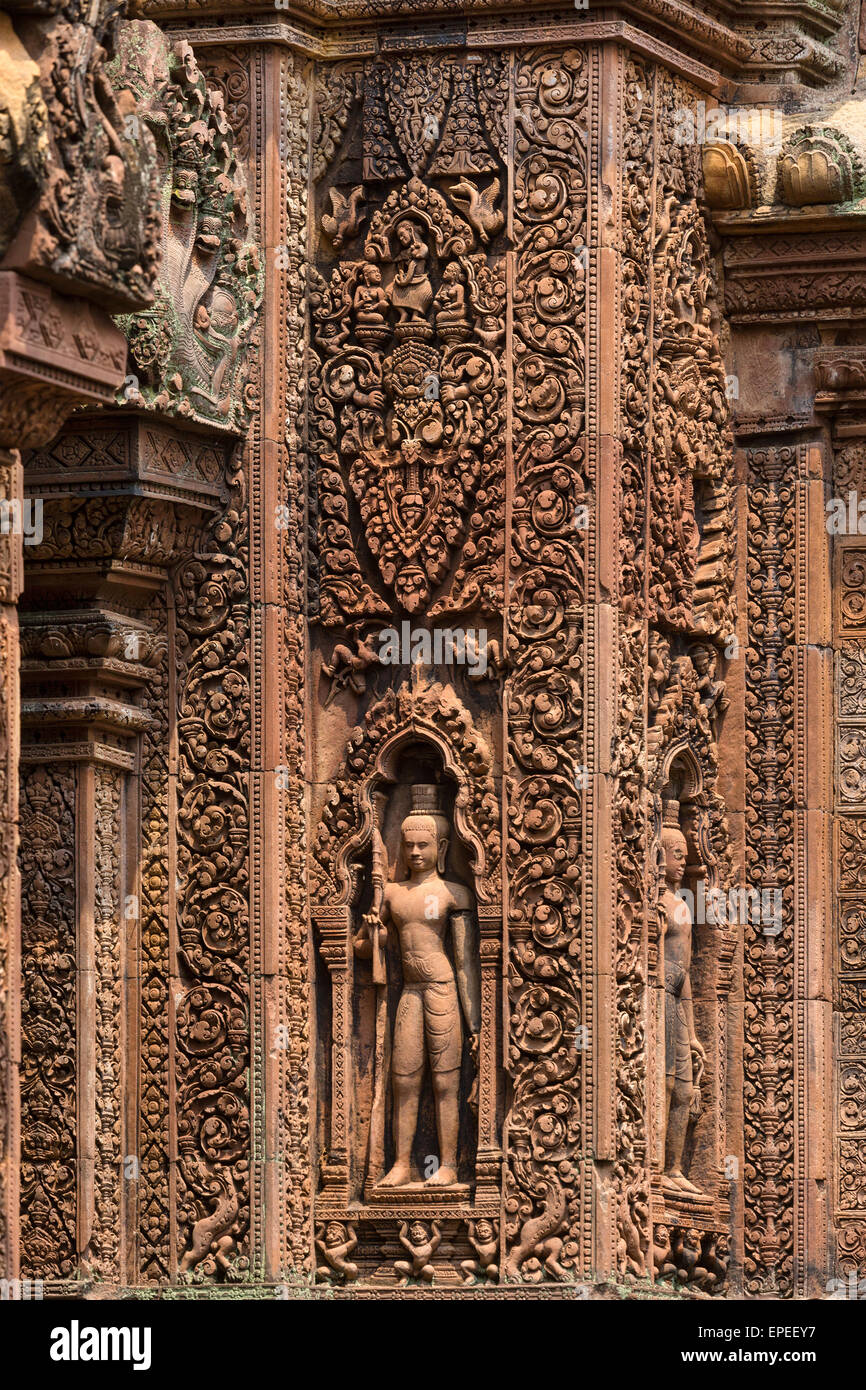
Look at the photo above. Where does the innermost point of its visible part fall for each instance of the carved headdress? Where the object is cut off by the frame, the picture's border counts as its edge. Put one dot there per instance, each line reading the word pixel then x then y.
pixel 427 812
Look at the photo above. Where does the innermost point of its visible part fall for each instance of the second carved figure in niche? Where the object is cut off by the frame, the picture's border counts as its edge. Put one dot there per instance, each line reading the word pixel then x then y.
pixel 427 912
pixel 684 1056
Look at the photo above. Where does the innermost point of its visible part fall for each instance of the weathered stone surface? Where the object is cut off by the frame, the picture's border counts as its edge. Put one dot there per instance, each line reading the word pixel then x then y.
pixel 442 715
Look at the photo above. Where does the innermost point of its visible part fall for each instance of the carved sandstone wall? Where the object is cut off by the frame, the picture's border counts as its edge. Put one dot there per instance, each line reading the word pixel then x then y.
pixel 460 439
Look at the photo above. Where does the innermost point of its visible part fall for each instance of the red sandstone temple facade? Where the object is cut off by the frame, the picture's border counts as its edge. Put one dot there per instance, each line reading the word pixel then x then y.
pixel 433 633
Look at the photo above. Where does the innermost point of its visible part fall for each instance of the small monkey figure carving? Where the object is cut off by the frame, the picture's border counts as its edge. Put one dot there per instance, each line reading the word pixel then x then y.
pixel 421 1246
pixel 485 1242
pixel 336 1247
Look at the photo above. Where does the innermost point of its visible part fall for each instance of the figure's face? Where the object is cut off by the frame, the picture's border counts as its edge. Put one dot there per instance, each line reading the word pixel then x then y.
pixel 420 848
pixel 404 232
pixel 485 1230
pixel 417 1232
pixel 676 855
pixel 334 1234
pixel 373 275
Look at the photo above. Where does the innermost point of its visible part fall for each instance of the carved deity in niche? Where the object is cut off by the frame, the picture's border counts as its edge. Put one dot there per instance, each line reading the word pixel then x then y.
pixel 371 301
pixel 423 911
pixel 452 322
pixel 684 1056
pixel 411 291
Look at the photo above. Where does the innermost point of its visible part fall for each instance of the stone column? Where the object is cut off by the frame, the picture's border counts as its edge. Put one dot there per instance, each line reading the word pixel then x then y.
pixel 10 942
pixel 786 467
pixel 41 378
pixel 126 500
pixel 266 75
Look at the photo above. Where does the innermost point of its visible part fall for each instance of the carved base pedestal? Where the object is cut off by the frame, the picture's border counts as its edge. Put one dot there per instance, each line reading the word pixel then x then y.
pixel 418 1196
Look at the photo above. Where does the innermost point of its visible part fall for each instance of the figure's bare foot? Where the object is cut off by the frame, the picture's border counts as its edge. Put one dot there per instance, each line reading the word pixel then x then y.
pixel 445 1176
pixel 398 1176
pixel 676 1181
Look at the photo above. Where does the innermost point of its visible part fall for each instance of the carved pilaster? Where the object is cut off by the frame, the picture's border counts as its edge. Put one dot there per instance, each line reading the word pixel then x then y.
pixel 848 1125
pixel 334 926
pixel 788 838
pixel 488 1161
pixel 10 888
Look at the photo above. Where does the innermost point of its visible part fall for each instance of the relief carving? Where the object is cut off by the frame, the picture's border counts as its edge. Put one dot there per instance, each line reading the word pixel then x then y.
pixel 92 230
pixel 819 166
pixel 23 134
pixel 423 1013
pixel 49 1170
pixel 685 1058
pixel 190 350
pixel 410 393
pixel 418 1001
pixel 213 819
pixel 424 909
pixel 544 694
pixel 768 1058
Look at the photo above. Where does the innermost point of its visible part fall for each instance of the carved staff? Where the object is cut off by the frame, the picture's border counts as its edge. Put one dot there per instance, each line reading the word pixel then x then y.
pixel 376 1165
pixel 380 874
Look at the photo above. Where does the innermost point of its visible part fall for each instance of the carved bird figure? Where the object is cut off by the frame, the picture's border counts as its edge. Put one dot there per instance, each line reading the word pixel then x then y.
pixel 480 208
pixel 345 217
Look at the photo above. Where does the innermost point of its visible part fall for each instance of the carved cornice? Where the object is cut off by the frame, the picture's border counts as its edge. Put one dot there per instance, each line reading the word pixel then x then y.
pixel 748 40
pixel 346 44
pixel 129 451
pixel 822 16
pixel 79 751
pixel 782 266
pixel 82 674
pixel 840 379
pixel 112 715
pixel 55 353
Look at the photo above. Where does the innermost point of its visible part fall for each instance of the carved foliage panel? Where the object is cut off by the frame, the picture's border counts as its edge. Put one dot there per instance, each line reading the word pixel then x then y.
pixel 635 298
pixel 157 903
pixel 407 383
pixel 851 584
pixel 850 964
pixel 768 1041
pixel 691 525
pixel 105 1245
pixel 212 1018
pixel 630 827
pixel 294 948
pixel 9 894
pixel 49 1168
pixel 546 1124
